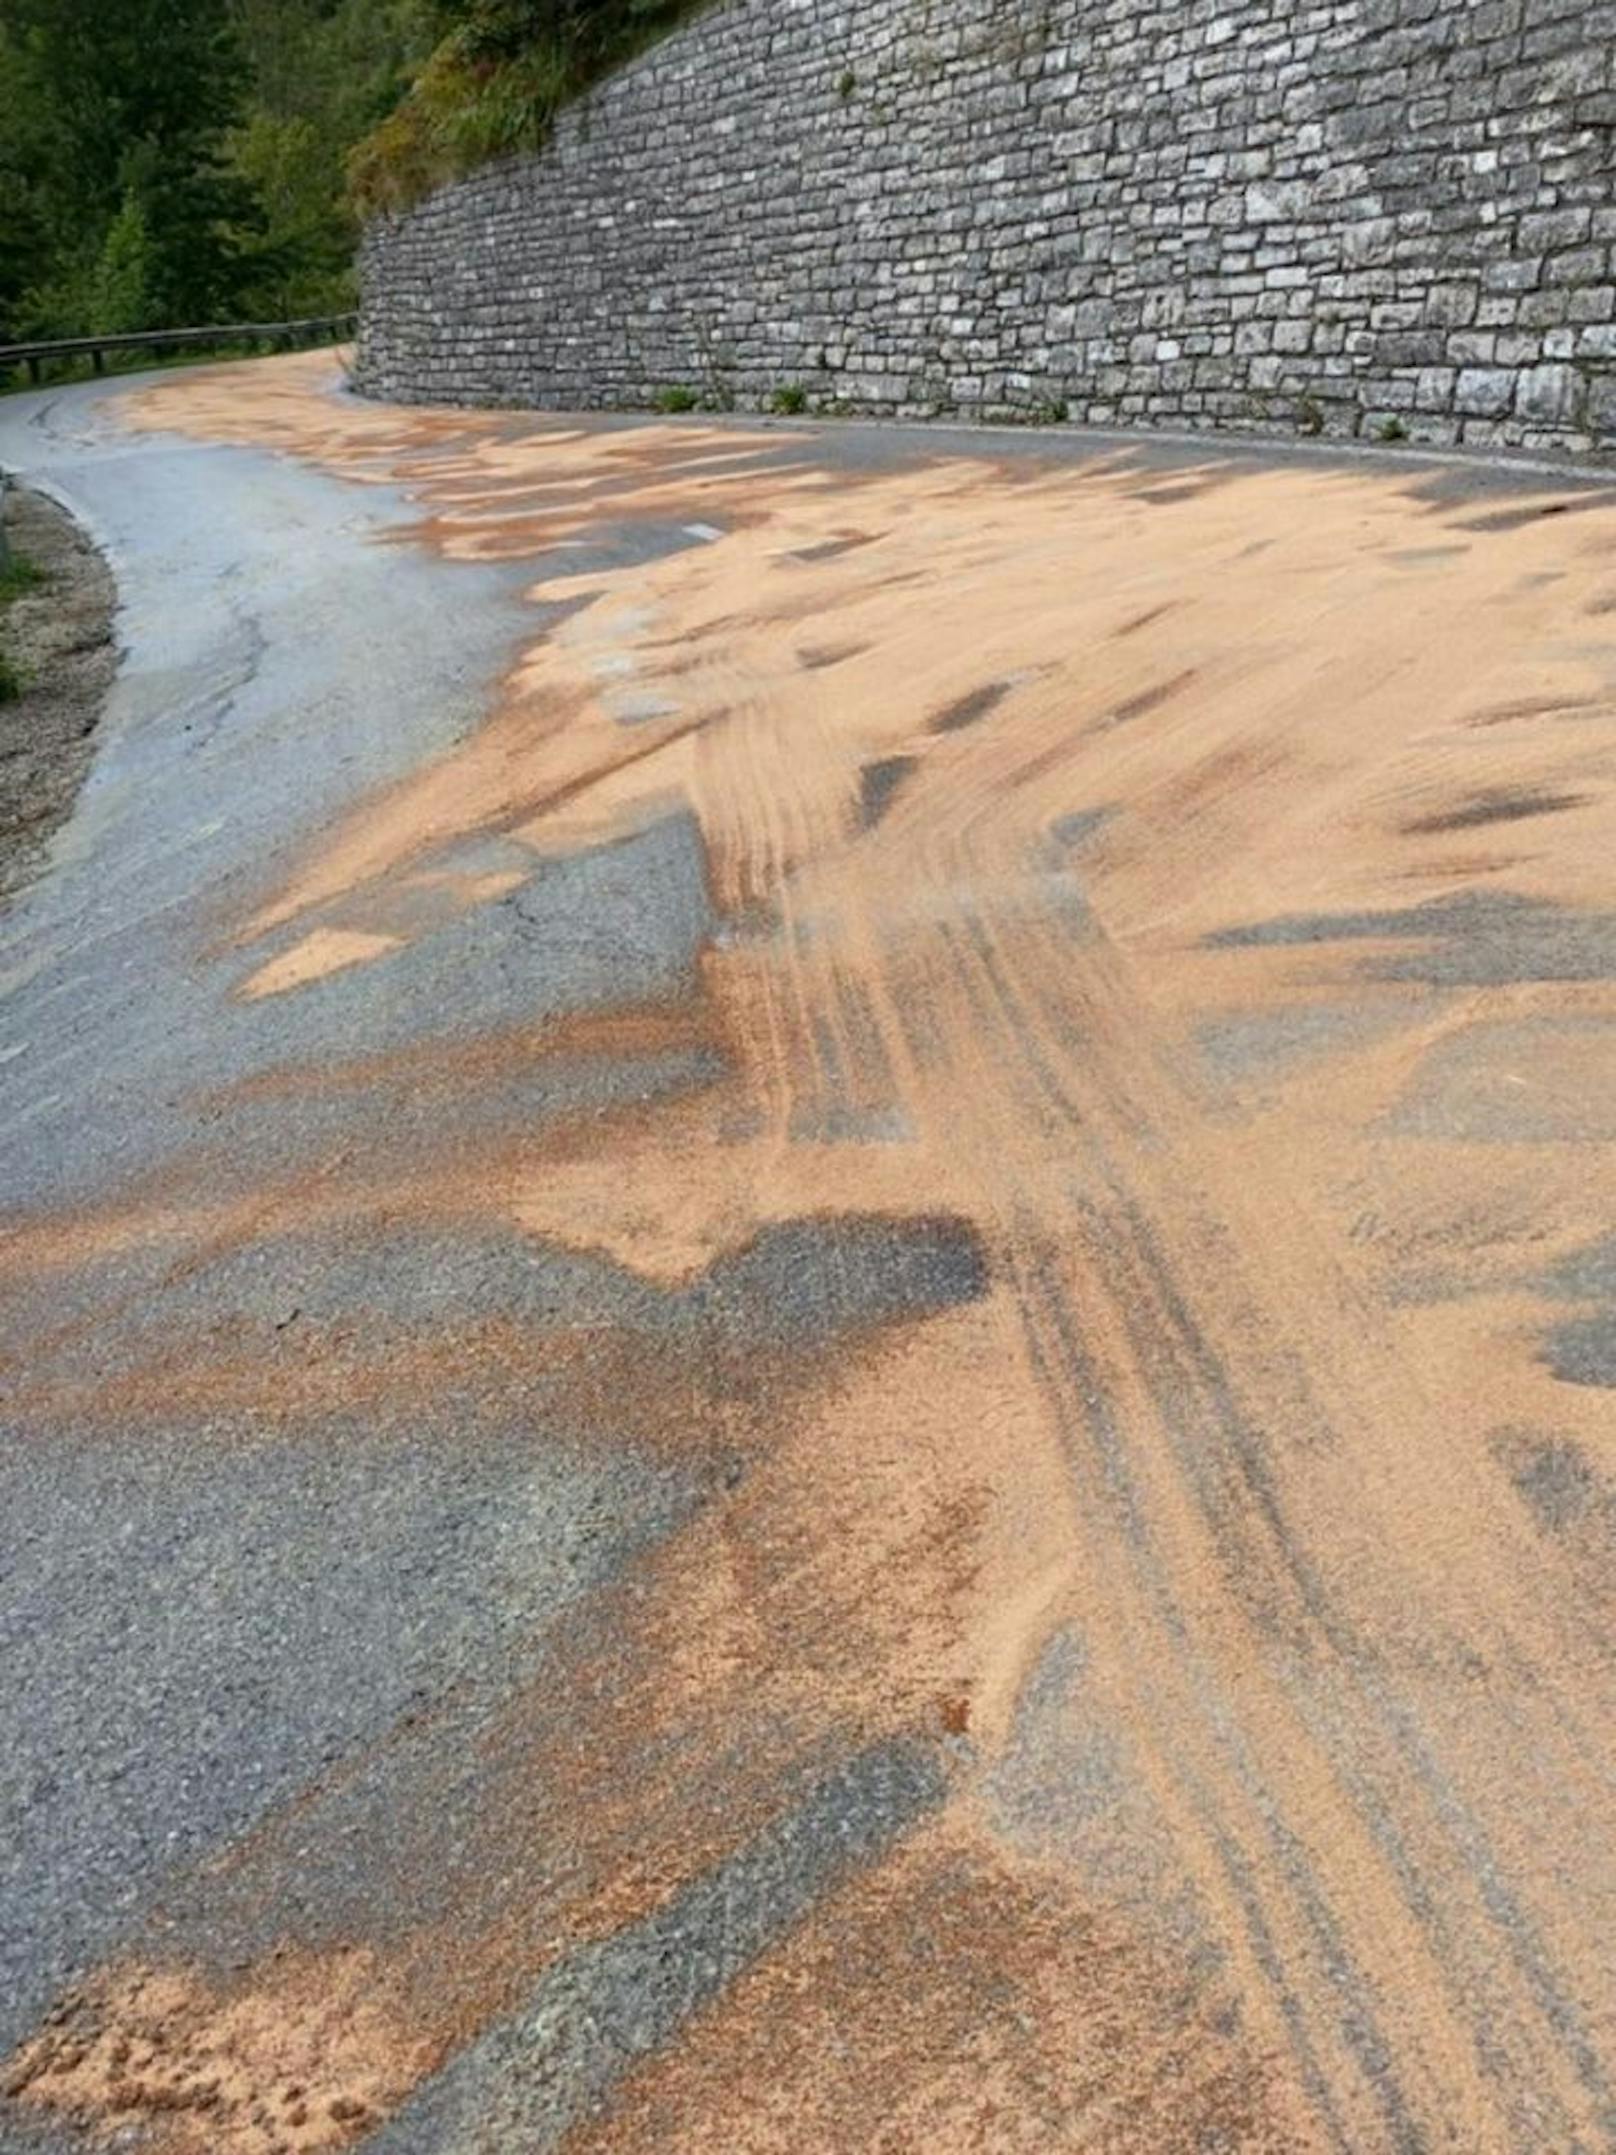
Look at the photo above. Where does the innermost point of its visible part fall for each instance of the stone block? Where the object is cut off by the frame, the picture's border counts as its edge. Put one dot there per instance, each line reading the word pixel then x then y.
pixel 1484 392
pixel 1550 395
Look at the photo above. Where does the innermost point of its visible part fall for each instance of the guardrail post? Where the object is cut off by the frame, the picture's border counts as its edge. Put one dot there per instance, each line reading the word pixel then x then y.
pixel 5 536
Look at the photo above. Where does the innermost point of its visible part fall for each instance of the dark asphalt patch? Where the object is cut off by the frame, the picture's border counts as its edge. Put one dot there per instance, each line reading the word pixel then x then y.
pixel 1148 700
pixel 1478 938
pixel 1072 832
pixel 811 1281
pixel 279 1337
pixel 824 655
pixel 1503 1082
pixel 528 2083
pixel 833 549
pixel 1506 714
pixel 879 786
pixel 1500 807
pixel 1583 1351
pixel 1240 1045
pixel 1518 516
pixel 1553 1477
pixel 195 1633
pixel 969 710
pixel 1586 1275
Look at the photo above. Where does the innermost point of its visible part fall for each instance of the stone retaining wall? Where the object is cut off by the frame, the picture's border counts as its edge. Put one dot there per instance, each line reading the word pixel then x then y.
pixel 1373 216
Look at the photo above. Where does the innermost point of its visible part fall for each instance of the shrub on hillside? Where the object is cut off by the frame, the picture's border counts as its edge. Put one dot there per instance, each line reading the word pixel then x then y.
pixel 495 81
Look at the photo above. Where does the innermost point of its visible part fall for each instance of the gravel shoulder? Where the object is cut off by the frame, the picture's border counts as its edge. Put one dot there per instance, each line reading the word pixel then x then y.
pixel 57 635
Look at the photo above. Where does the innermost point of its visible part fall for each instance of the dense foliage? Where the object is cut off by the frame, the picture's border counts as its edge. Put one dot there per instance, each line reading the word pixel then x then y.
pixel 182 161
pixel 169 162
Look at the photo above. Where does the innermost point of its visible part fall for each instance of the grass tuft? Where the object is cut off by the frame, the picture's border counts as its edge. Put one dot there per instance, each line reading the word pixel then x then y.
pixel 17 575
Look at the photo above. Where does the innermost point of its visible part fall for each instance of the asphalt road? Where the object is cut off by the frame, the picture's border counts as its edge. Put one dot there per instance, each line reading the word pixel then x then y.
pixel 809 1295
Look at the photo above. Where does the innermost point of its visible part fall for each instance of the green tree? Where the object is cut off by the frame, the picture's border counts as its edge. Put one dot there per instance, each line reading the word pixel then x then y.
pixel 323 73
pixel 120 284
pixel 127 102
pixel 181 161
pixel 25 239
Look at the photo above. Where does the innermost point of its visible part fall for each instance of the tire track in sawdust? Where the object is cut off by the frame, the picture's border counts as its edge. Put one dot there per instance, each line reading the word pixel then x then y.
pixel 1216 1416
pixel 1194 1424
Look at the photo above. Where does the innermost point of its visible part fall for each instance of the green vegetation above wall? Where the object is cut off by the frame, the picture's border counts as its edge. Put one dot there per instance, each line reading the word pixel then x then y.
pixel 498 75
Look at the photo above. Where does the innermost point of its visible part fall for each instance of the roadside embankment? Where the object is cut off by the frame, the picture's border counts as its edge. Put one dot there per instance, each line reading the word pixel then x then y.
pixel 57 659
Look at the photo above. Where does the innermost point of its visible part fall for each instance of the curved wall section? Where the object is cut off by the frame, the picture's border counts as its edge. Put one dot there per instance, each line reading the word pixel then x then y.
pixel 1370 216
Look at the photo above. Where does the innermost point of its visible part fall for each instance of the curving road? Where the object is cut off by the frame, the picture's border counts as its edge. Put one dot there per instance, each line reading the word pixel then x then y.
pixel 808 1304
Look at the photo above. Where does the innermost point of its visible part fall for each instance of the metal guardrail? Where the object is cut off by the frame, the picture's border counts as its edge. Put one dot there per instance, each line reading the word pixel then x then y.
pixel 309 331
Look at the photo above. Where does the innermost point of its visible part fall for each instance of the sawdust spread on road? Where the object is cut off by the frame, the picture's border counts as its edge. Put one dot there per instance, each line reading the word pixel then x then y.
pixel 304 2062
pixel 1198 899
pixel 325 950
